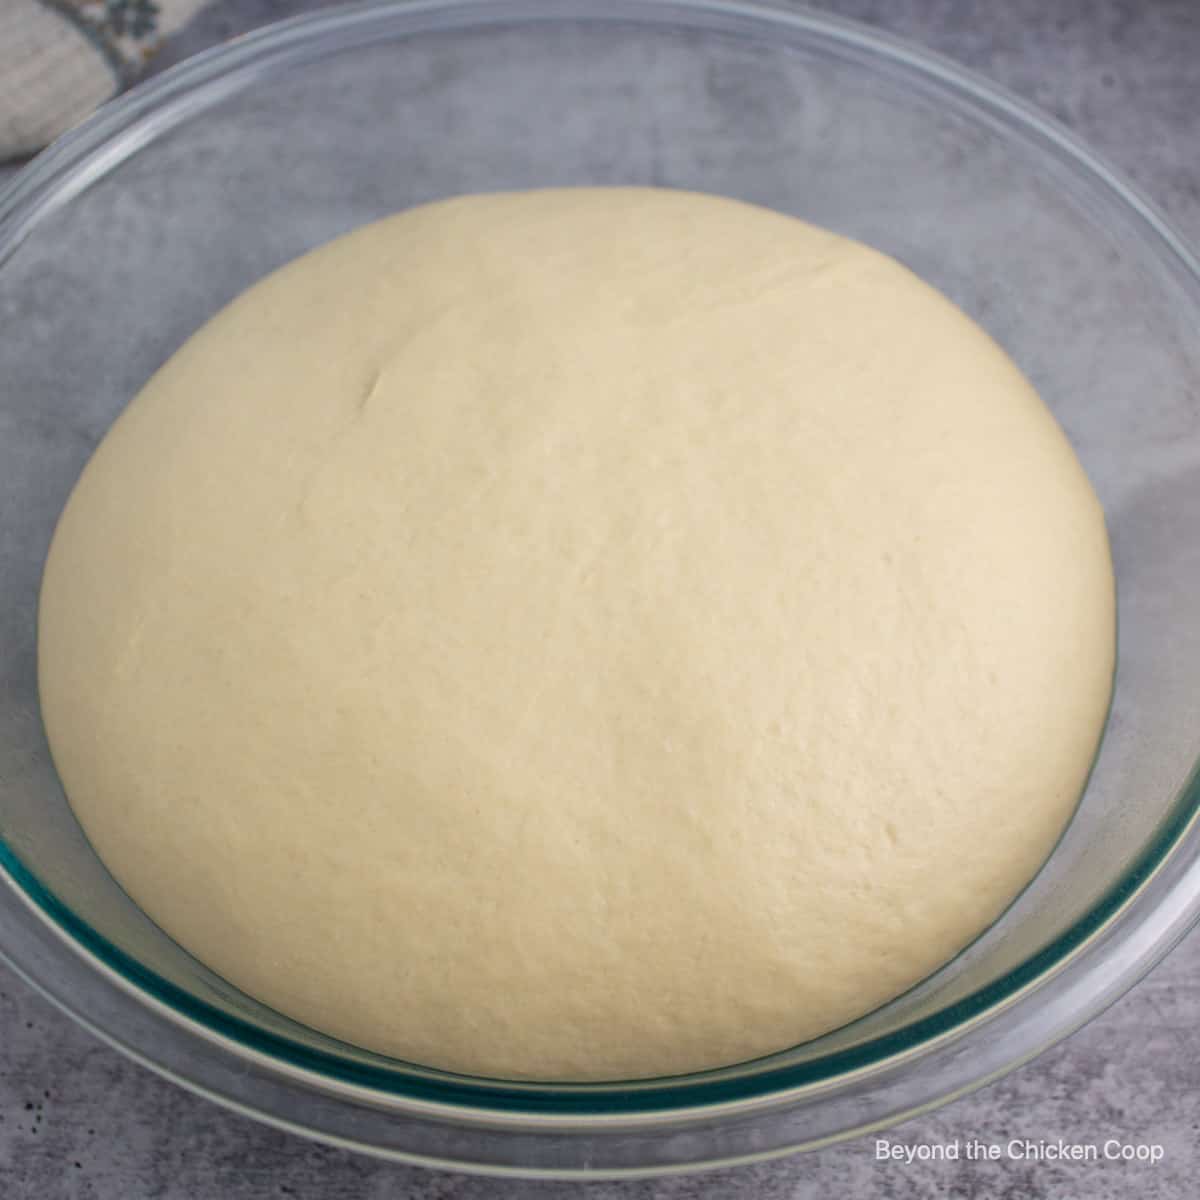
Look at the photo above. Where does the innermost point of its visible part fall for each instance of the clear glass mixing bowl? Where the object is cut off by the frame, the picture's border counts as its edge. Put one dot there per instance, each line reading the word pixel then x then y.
pixel 119 241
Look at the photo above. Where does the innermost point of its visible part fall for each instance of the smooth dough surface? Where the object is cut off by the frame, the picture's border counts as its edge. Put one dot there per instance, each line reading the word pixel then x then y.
pixel 579 634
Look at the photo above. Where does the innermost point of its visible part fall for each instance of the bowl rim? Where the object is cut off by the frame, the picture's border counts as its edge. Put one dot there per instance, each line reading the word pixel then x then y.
pixel 1136 921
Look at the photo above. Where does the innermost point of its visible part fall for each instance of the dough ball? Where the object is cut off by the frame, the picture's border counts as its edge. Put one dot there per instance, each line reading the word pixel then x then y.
pixel 579 634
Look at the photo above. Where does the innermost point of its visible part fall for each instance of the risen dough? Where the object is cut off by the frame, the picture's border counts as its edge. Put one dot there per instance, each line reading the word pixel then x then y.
pixel 579 634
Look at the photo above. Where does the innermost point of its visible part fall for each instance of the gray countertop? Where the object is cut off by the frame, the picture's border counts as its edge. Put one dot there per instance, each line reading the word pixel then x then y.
pixel 78 1120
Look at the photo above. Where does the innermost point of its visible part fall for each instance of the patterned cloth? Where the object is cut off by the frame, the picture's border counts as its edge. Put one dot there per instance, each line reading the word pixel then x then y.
pixel 59 59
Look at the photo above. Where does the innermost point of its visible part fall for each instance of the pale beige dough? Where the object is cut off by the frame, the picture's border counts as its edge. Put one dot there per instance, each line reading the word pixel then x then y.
pixel 579 634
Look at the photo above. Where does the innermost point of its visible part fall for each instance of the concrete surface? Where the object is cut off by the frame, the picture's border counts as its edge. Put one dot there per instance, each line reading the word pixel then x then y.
pixel 79 1121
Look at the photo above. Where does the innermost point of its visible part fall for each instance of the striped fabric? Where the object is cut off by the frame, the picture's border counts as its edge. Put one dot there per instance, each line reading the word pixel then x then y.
pixel 59 59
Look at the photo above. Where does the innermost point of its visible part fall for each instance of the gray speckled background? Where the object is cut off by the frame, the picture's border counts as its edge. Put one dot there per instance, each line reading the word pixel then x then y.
pixel 77 1120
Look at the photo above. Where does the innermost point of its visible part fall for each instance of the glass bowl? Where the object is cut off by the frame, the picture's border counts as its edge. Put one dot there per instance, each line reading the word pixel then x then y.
pixel 120 240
